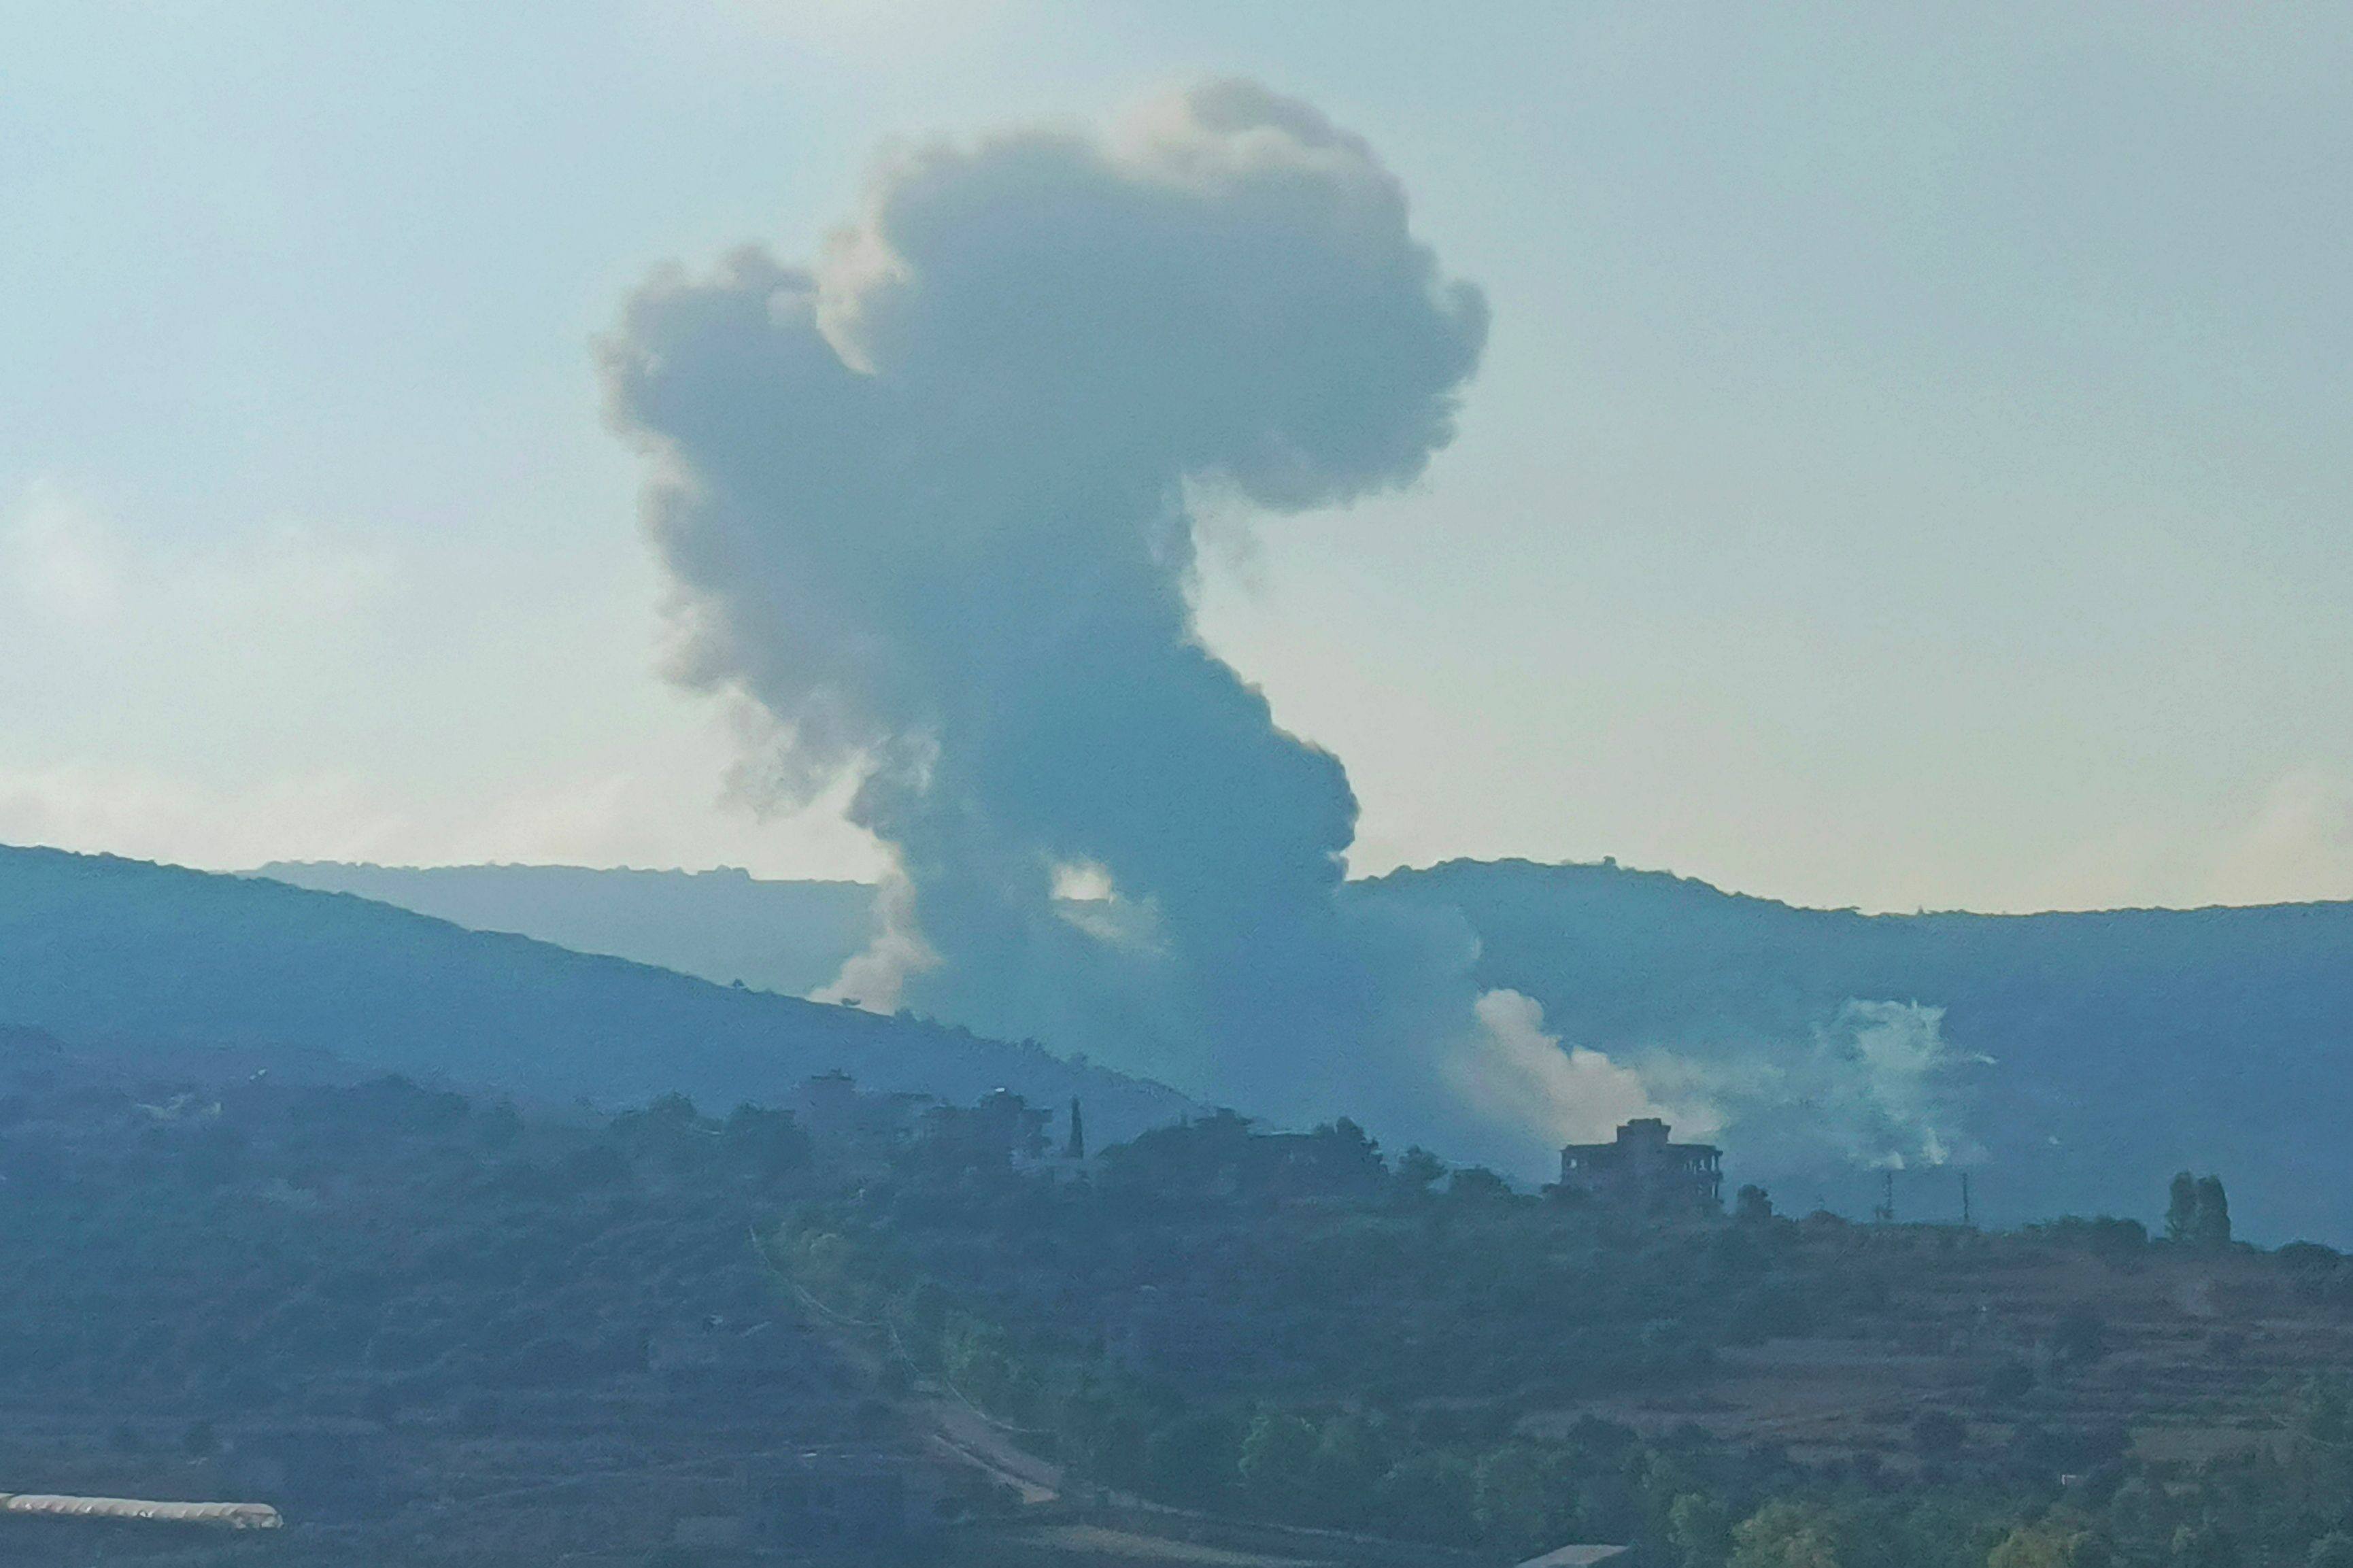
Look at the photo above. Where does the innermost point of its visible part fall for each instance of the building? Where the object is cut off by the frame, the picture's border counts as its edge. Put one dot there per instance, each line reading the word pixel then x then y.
pixel 1000 1131
pixel 1645 1171
pixel 833 1110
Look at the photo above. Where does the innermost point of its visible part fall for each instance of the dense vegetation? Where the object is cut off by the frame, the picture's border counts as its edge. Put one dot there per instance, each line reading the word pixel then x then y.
pixel 178 1258
pixel 1291 1329
pixel 440 1330
pixel 410 1318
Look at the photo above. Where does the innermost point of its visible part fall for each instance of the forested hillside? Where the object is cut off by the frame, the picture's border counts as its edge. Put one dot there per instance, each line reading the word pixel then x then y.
pixel 429 1330
pixel 110 953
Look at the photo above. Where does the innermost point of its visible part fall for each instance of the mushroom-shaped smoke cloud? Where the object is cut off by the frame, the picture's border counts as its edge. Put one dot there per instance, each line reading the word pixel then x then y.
pixel 925 502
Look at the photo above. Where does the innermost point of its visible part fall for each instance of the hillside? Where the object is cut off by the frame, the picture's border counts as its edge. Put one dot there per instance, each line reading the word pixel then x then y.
pixel 405 1320
pixel 2123 1044
pixel 1291 1329
pixel 439 1331
pixel 110 953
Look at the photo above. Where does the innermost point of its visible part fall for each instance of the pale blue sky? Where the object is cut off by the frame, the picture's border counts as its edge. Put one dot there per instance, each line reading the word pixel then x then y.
pixel 1911 465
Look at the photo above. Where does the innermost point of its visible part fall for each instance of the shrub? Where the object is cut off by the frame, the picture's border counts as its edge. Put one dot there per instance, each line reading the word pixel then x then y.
pixel 1938 1434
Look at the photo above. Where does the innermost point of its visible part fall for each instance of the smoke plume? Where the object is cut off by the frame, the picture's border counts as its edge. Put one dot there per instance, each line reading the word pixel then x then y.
pixel 925 502
pixel 1877 1087
pixel 1519 1076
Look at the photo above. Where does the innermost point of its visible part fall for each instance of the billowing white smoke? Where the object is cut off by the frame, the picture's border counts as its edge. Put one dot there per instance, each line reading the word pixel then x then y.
pixel 925 503
pixel 1514 1073
pixel 1876 1086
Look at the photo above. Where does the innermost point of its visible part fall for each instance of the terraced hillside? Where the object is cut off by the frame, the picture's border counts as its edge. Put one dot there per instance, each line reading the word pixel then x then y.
pixel 2063 1343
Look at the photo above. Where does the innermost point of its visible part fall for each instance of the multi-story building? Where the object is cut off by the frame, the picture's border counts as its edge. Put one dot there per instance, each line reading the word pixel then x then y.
pixel 1645 1171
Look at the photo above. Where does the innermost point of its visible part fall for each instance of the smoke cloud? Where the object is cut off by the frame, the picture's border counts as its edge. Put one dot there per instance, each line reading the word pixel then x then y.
pixel 1520 1076
pixel 1877 1086
pixel 925 501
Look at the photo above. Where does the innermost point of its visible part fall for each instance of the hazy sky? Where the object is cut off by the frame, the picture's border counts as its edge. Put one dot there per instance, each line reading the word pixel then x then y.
pixel 1911 464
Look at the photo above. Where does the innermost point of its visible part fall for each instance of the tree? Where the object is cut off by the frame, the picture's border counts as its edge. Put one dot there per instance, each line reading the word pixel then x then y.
pixel 1417 1170
pixel 2323 1411
pixel 1512 1498
pixel 1425 1497
pixel 2029 1546
pixel 2080 1338
pixel 770 1141
pixel 2202 1546
pixel 2182 1213
pixel 1699 1530
pixel 2212 1223
pixel 1787 1535
pixel 1938 1434
pixel 1751 1205
pixel 2199 1215
pixel 1478 1184
pixel 1278 1462
pixel 1190 1460
pixel 2012 1380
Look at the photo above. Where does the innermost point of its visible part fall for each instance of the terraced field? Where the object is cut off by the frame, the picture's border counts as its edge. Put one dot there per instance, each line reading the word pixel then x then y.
pixel 2183 1355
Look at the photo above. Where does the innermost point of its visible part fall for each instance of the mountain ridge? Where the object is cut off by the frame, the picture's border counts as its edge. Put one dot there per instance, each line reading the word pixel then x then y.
pixel 128 955
pixel 722 925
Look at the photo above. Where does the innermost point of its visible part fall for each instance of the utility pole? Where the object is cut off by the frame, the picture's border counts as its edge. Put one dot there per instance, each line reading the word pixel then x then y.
pixel 1966 1220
